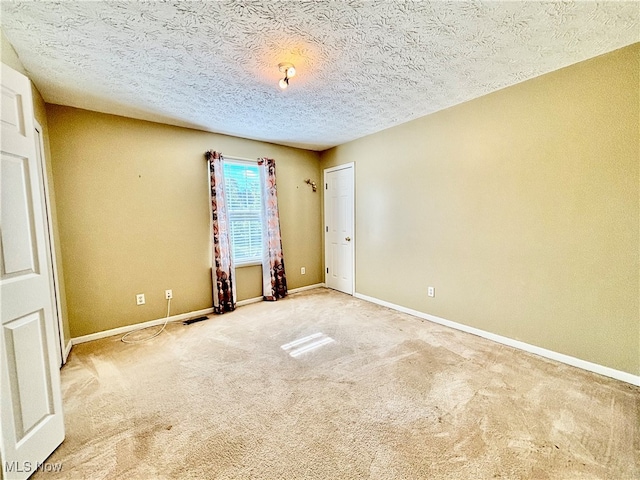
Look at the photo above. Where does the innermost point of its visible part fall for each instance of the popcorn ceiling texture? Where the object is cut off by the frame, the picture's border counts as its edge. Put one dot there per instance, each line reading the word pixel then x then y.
pixel 362 66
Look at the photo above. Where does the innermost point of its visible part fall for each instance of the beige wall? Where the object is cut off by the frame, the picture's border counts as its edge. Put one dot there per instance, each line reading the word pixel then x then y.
pixel 521 208
pixel 133 208
pixel 9 57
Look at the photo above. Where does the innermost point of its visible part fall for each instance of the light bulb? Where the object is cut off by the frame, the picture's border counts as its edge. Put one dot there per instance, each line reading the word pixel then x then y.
pixel 291 72
pixel 283 84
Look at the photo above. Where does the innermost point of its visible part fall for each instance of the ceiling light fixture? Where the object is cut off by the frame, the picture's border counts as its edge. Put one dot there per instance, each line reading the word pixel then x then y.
pixel 289 71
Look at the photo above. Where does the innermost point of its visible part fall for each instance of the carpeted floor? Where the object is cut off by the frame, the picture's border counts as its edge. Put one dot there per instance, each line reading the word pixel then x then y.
pixel 383 396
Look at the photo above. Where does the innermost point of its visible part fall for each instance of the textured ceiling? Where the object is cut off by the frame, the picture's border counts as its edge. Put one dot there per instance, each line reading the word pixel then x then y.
pixel 362 66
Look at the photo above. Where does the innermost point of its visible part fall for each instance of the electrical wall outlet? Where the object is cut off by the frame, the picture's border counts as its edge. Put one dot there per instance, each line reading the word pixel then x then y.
pixel 303 271
pixel 140 299
pixel 431 291
pixel 168 294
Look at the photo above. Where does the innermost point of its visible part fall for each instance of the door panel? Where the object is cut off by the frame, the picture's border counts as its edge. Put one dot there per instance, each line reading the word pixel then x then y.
pixel 17 242
pixel 12 114
pixel 31 401
pixel 339 229
pixel 25 343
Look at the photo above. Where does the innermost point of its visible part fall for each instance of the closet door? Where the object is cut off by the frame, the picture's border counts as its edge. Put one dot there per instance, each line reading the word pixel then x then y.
pixel 31 401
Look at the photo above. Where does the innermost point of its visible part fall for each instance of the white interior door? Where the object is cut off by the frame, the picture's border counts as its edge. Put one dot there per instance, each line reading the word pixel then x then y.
pixel 339 228
pixel 31 402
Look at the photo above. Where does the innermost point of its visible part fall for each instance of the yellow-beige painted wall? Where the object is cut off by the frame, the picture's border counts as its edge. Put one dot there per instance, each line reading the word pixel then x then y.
pixel 133 205
pixel 10 58
pixel 520 207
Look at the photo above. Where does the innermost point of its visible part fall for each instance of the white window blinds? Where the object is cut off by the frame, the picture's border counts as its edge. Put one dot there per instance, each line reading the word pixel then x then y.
pixel 244 208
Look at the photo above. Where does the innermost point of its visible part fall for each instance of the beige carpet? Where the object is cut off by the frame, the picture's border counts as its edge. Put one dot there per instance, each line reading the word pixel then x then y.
pixel 391 397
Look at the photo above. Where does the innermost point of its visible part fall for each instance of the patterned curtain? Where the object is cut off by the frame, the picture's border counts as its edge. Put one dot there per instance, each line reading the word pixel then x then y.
pixel 222 271
pixel 274 280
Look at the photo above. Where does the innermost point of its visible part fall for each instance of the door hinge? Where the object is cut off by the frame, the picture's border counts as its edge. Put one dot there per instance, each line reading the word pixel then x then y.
pixel 326 186
pixel 327 269
pixel 327 229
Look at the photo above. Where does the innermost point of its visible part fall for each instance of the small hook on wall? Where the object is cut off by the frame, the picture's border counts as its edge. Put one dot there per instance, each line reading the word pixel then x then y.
pixel 314 187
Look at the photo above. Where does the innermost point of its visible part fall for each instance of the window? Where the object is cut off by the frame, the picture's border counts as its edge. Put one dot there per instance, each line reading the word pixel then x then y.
pixel 244 209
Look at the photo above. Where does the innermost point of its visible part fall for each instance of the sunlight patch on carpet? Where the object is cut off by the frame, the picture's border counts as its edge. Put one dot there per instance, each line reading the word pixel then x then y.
pixel 307 344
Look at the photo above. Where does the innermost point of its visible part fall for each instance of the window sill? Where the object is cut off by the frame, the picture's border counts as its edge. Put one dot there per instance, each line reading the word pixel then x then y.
pixel 248 263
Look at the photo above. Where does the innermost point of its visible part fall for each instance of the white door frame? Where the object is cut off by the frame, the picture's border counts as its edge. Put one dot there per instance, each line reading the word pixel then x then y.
pixel 344 166
pixel 51 251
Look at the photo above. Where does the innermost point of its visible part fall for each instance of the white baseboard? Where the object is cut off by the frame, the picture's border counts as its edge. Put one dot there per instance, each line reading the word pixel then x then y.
pixel 136 326
pixel 543 352
pixel 306 287
pixel 293 290
pixel 248 301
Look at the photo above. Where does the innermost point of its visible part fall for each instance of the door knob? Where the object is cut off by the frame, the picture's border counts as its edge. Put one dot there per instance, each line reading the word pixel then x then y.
pixel 348 239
